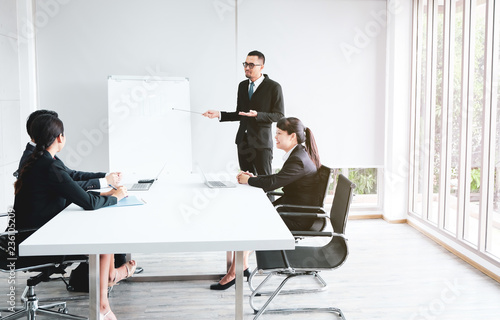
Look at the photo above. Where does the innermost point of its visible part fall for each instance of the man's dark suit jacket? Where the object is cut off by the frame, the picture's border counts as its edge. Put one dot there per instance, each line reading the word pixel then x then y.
pixel 47 188
pixel 86 180
pixel 267 100
pixel 297 177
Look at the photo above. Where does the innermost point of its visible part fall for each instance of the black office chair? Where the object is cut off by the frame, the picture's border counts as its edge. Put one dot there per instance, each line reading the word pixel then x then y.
pixel 46 266
pixel 315 209
pixel 308 260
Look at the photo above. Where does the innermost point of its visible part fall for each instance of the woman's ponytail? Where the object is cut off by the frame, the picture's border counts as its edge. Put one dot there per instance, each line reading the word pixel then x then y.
pixel 37 153
pixel 312 148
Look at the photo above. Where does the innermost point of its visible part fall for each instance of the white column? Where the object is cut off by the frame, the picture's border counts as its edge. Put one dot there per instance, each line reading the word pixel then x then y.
pixel 26 30
pixel 10 142
pixel 398 64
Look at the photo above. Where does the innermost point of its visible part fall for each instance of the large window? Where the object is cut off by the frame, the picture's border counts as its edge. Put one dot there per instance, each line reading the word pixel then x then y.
pixel 456 122
pixel 366 200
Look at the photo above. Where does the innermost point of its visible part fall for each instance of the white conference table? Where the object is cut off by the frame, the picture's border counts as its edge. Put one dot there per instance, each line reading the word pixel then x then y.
pixel 181 214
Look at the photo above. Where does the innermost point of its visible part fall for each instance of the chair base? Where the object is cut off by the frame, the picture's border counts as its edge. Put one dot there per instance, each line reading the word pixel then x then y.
pixel 315 274
pixel 31 308
pixel 306 310
pixel 31 315
pixel 256 292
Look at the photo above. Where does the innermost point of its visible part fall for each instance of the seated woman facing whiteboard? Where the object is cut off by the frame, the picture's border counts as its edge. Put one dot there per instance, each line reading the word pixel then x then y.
pixel 44 188
pixel 298 177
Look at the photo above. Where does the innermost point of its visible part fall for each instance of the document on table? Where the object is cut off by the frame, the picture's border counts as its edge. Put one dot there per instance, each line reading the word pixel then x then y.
pixel 129 201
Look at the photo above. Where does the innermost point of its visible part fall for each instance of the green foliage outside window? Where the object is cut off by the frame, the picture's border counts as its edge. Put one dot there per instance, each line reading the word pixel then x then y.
pixel 365 180
pixel 475 182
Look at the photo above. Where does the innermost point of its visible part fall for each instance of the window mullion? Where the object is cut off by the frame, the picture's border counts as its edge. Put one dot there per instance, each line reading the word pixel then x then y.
pixel 462 175
pixel 427 188
pixel 432 107
pixel 488 152
pixel 494 180
pixel 444 188
pixel 415 85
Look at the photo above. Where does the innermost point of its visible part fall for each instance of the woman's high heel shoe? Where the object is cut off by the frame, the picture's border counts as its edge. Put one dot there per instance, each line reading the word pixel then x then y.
pixel 218 286
pixel 246 273
pixel 103 316
pixel 130 272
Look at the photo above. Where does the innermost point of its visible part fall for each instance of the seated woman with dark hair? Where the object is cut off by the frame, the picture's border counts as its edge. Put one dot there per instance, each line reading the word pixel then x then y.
pixel 44 188
pixel 298 177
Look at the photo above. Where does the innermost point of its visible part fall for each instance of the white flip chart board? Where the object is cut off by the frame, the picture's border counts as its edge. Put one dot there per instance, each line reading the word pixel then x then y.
pixel 145 132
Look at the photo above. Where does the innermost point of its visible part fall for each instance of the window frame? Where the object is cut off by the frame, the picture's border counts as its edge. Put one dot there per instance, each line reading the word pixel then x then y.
pixel 490 90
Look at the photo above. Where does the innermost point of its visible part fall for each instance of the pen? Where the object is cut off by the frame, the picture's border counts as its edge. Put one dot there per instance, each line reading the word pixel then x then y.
pixel 112 186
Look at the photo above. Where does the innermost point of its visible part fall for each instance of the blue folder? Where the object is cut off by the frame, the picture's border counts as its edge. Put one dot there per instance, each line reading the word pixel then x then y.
pixel 129 201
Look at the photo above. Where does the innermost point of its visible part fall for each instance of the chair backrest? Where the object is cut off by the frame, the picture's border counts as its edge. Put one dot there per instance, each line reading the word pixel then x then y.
pixel 341 203
pixel 324 179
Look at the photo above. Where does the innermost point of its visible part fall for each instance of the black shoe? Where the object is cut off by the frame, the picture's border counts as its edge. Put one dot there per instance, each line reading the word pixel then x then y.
pixel 218 286
pixel 246 273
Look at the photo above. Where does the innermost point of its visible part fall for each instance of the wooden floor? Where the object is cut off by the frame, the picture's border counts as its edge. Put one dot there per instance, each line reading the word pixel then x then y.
pixel 393 273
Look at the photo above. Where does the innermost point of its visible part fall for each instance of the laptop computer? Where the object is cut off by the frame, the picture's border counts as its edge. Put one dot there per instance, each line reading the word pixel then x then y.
pixel 216 183
pixel 145 184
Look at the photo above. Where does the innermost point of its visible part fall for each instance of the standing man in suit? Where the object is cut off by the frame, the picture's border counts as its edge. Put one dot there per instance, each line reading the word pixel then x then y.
pixel 259 104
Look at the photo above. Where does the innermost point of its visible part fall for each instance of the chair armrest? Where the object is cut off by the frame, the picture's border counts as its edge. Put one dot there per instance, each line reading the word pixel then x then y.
pixel 312 234
pixel 317 234
pixel 311 209
pixel 275 193
pixel 303 214
pixel 10 233
pixel 7 239
pixel 303 211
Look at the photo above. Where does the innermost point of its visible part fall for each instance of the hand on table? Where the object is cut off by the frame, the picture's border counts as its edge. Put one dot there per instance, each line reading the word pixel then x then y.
pixel 243 176
pixel 119 193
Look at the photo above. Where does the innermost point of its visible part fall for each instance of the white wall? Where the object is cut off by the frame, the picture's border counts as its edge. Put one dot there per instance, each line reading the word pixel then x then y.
pixel 10 123
pixel 329 57
pixel 88 40
pixel 338 92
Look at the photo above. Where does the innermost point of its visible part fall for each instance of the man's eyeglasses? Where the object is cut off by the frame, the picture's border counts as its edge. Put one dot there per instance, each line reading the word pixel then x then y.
pixel 250 65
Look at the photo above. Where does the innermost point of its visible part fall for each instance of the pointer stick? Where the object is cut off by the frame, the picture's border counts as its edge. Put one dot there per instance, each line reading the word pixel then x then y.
pixel 187 111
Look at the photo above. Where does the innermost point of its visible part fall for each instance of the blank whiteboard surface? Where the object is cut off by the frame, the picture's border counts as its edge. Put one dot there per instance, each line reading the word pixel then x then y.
pixel 144 131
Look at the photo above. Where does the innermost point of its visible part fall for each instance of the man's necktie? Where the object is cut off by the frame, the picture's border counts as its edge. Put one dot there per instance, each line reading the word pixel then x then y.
pixel 250 91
